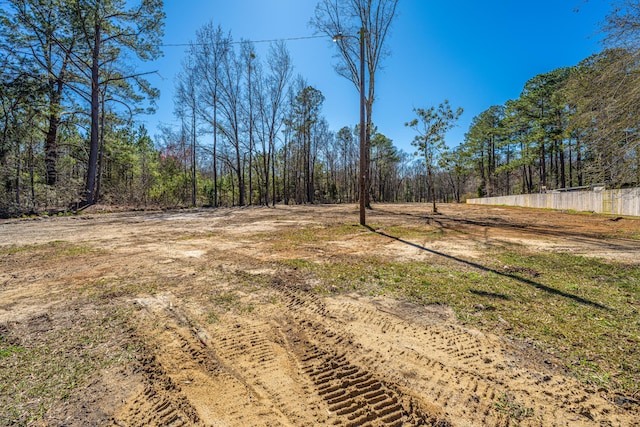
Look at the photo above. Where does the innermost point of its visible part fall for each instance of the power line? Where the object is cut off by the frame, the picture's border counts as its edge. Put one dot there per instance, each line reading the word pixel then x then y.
pixel 246 41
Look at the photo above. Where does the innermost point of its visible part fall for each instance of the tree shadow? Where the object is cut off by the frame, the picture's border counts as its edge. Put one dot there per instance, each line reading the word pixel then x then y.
pixel 529 282
pixel 490 294
pixel 447 222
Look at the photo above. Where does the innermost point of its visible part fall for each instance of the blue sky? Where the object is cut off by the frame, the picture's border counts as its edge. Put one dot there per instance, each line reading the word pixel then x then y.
pixel 476 53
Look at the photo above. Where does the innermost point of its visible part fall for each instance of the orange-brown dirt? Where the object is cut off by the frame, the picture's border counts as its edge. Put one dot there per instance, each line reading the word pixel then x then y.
pixel 222 334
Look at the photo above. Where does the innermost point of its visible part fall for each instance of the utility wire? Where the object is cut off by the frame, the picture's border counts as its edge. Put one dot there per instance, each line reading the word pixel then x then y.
pixel 244 41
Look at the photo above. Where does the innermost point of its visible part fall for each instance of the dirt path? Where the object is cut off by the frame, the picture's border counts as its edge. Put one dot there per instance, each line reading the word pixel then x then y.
pixel 224 335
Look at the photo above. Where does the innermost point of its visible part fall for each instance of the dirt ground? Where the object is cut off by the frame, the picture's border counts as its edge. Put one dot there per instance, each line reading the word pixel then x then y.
pixel 221 332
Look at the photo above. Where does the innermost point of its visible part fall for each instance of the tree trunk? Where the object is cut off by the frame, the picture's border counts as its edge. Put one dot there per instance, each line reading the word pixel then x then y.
pixel 215 147
pixel 101 152
pixel 563 178
pixel 17 178
pixel 239 176
pixel 250 139
pixel 239 166
pixel 579 161
pixel 95 114
pixel 285 180
pixel 32 175
pixel 273 172
pixel 432 189
pixel 51 148
pixel 307 164
pixel 194 184
pixel 367 156
pixel 570 164
pixel 543 165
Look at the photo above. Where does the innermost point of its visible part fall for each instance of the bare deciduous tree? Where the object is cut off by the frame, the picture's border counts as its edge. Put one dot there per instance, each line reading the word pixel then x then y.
pixel 209 51
pixel 280 70
pixel 347 18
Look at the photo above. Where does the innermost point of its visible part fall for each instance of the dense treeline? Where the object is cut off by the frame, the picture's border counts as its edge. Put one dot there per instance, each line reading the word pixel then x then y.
pixel 570 127
pixel 68 90
pixel 252 132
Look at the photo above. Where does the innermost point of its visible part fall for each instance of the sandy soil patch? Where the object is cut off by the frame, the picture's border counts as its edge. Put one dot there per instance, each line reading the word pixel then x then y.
pixel 220 334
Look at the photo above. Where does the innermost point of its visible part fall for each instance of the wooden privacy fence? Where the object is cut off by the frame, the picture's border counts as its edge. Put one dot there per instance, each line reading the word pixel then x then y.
pixel 616 202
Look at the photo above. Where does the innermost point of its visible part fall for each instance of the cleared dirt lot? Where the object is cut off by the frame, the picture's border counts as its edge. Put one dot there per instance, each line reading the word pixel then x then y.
pixel 241 317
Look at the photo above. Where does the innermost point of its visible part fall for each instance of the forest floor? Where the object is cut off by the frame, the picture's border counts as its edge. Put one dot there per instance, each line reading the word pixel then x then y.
pixel 298 316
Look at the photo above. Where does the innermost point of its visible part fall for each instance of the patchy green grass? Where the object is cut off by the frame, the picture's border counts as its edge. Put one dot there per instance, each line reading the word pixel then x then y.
pixel 625 234
pixel 107 288
pixel 313 235
pixel 8 350
pixel 222 303
pixel 50 250
pixel 226 301
pixel 585 311
pixel 509 407
pixel 423 233
pixel 46 359
pixel 212 317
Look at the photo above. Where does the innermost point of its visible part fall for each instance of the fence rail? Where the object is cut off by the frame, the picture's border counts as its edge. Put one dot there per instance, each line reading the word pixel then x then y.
pixel 616 202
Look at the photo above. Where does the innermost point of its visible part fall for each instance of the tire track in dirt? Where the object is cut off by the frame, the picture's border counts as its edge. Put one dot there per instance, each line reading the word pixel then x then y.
pixel 453 380
pixel 272 372
pixel 260 354
pixel 468 374
pixel 160 402
pixel 342 361
pixel 472 377
pixel 355 394
pixel 217 394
